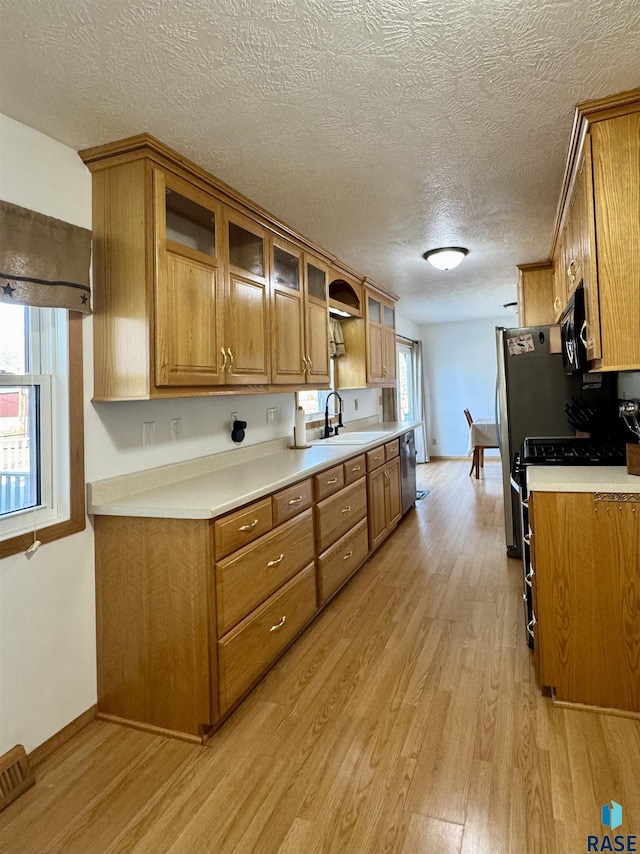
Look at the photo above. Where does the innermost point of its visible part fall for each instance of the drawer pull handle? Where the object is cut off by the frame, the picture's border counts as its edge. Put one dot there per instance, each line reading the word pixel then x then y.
pixel 346 509
pixel 529 576
pixel 276 561
pixel 224 356
pixel 377 458
pixel 332 481
pixel 347 556
pixel 356 468
pixel 295 500
pixel 278 625
pixel 248 527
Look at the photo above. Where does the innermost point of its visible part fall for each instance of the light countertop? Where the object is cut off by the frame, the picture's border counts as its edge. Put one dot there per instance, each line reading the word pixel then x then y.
pixel 581 479
pixel 177 492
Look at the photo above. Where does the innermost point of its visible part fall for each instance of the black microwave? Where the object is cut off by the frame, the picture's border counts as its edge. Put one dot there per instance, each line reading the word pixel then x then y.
pixel 572 327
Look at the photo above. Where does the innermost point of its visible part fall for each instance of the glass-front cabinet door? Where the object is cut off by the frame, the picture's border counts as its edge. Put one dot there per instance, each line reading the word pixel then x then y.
pixel 316 279
pixel 389 337
pixel 187 285
pixel 247 304
pixel 288 356
pixel 374 339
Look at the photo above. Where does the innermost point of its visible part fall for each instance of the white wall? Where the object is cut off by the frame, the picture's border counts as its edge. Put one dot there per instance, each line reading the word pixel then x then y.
pixel 460 373
pixel 407 328
pixel 629 385
pixel 47 608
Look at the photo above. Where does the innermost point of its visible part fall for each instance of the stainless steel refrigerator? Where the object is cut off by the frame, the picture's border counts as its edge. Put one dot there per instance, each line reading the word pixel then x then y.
pixel 532 389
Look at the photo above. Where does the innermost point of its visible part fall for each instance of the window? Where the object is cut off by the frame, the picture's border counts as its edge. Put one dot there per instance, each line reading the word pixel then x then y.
pixel 314 401
pixel 41 437
pixel 406 384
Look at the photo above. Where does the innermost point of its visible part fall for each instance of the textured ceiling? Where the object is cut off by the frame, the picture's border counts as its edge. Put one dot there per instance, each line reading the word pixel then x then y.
pixel 377 128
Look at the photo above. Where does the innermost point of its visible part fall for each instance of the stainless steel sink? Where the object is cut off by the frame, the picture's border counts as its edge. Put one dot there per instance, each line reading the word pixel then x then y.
pixel 354 438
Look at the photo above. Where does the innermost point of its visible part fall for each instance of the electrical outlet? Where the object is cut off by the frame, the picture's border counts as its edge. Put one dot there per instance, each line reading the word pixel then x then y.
pixel 176 428
pixel 356 403
pixel 149 433
pixel 272 414
pixel 234 418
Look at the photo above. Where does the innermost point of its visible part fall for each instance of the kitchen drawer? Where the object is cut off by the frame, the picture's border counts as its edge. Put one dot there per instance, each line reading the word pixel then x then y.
pixel 248 577
pixel 291 501
pixel 392 449
pixel 342 559
pixel 335 515
pixel 375 458
pixel 329 481
pixel 242 527
pixel 355 469
pixel 248 650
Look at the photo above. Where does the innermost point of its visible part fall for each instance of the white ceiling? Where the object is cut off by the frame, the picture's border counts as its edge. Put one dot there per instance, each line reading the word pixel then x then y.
pixel 377 128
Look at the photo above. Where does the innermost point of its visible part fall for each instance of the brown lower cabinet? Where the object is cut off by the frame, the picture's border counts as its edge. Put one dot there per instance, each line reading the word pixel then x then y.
pixel 192 612
pixel 586 585
pixel 383 492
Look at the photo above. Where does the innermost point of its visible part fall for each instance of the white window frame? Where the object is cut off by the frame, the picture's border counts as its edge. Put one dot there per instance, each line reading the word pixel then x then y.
pixel 48 362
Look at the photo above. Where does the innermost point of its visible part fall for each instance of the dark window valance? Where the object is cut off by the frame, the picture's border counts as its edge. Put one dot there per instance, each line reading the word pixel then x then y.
pixel 43 261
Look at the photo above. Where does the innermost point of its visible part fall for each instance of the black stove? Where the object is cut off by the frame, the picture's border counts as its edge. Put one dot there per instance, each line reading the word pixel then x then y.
pixel 570 451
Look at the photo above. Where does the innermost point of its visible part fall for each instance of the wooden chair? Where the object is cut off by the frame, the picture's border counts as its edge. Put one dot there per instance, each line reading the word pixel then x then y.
pixel 478 453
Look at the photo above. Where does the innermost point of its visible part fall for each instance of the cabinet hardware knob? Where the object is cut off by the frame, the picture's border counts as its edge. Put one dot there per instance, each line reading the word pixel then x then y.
pixel 531 624
pixel 224 357
pixel 356 468
pixel 230 359
pixel 276 561
pixel 346 509
pixel 295 500
pixel 332 481
pixel 347 556
pixel 278 625
pixel 249 527
pixel 583 330
pixel 557 304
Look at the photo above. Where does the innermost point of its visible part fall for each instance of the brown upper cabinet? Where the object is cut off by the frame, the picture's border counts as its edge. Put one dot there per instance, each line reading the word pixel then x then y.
pixel 370 344
pixel 197 290
pixel 535 294
pixel 596 239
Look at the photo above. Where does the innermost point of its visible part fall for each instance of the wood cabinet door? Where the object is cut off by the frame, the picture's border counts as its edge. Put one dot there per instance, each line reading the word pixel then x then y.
pixel 188 314
pixel 393 496
pixel 587 575
pixel 287 315
pixel 248 319
pixel 376 503
pixel 589 266
pixel 389 342
pixel 317 344
pixel 374 339
pixel 616 184
pixel 316 295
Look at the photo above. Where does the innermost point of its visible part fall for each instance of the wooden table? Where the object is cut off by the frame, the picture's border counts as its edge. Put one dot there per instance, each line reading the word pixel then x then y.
pixel 483 433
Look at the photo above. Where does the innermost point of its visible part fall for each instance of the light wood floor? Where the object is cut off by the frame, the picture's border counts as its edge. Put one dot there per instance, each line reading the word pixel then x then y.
pixel 406 719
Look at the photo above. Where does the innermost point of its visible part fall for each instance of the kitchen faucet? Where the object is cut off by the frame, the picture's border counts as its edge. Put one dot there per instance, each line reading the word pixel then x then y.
pixel 327 429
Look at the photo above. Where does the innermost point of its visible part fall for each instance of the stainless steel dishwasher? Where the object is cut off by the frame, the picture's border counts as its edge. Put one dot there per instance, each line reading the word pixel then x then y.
pixel 408 470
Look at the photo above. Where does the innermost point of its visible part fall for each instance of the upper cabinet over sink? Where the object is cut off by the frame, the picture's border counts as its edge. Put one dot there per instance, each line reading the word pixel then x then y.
pixel 197 290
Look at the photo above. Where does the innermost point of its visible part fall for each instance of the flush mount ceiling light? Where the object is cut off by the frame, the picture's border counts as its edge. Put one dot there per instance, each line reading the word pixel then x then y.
pixel 445 258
